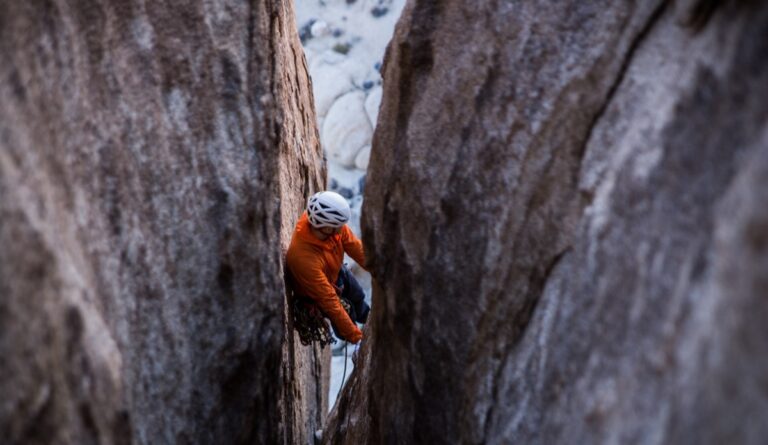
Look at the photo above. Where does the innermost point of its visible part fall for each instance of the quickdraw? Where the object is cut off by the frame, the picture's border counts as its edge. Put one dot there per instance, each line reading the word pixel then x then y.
pixel 310 322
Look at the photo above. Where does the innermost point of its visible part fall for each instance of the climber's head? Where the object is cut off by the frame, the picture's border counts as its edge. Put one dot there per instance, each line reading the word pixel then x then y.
pixel 328 212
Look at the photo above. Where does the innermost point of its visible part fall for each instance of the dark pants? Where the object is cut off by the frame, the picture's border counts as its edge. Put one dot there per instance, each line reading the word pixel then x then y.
pixel 353 293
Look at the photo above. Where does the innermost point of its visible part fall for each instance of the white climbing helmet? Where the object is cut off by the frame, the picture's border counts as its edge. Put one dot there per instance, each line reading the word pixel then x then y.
pixel 328 209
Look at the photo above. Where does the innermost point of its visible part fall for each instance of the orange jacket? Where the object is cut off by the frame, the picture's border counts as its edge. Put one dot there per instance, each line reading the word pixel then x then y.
pixel 315 266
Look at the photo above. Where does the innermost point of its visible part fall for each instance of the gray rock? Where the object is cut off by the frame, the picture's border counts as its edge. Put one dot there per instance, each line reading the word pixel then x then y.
pixel 372 104
pixel 152 165
pixel 378 11
pixel 362 158
pixel 567 228
pixel 342 47
pixel 346 128
pixel 345 192
pixel 305 32
pixel 361 185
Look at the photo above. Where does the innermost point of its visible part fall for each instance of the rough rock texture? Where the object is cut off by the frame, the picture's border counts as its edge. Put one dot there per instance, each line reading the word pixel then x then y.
pixel 145 152
pixel 567 227
pixel 302 172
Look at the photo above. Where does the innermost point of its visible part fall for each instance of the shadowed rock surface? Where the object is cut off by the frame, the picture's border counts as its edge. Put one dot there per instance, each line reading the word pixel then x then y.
pixel 153 161
pixel 567 227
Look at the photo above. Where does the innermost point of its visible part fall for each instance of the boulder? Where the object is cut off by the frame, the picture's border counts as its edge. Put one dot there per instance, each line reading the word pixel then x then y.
pixel 320 29
pixel 346 129
pixel 372 104
pixel 357 71
pixel 361 160
pixel 566 227
pixel 152 165
pixel 328 83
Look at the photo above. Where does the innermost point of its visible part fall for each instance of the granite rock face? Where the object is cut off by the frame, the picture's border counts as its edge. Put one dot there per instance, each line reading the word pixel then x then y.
pixel 153 161
pixel 567 227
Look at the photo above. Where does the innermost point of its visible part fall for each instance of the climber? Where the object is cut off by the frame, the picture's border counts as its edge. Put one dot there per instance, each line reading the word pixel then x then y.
pixel 315 261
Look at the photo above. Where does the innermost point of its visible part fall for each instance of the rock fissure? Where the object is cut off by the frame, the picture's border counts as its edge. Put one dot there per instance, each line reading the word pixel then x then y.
pixel 521 320
pixel 579 273
pixel 620 76
pixel 522 317
pixel 564 217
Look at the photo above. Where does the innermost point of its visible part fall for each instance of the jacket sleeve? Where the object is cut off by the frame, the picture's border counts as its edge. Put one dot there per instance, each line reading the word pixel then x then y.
pixel 309 274
pixel 353 246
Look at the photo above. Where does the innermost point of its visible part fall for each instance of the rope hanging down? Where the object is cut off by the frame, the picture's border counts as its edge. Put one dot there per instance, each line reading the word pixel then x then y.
pixel 309 322
pixel 344 374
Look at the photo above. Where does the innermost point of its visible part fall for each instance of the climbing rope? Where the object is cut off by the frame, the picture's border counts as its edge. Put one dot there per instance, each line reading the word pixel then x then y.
pixel 343 374
pixel 310 323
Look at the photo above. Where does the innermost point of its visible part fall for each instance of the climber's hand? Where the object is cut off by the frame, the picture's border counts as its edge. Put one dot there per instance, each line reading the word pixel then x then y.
pixel 352 337
pixel 356 337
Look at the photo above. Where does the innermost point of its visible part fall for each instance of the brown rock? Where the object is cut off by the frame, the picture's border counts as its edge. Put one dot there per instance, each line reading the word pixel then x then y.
pixel 565 214
pixel 153 160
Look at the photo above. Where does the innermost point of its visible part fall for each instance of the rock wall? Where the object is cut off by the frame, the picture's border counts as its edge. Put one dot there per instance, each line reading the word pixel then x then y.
pixel 153 160
pixel 302 172
pixel 567 227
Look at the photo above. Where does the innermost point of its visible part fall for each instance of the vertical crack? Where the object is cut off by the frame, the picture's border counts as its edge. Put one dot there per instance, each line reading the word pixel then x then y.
pixel 524 316
pixel 652 20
